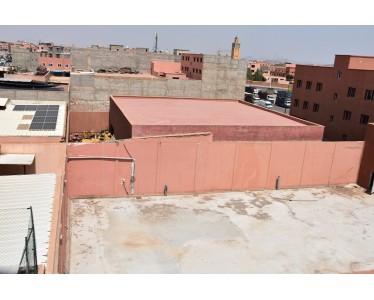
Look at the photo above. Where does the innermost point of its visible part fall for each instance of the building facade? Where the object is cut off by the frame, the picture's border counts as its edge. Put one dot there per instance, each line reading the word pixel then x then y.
pixel 338 97
pixel 192 65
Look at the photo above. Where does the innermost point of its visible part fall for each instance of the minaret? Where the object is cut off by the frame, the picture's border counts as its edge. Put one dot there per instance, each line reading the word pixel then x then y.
pixel 235 50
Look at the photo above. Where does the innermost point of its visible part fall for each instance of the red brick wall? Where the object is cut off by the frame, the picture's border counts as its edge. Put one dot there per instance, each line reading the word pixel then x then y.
pixel 328 106
pixel 87 121
pixel 367 162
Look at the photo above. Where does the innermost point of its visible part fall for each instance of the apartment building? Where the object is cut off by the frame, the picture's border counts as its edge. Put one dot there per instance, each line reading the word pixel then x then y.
pixel 54 57
pixel 339 97
pixel 192 65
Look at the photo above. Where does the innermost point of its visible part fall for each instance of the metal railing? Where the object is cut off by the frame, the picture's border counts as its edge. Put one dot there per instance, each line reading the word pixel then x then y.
pixel 29 262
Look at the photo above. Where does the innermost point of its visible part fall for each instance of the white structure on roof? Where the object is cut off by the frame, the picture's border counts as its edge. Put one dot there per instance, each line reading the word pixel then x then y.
pixel 17 123
pixel 17 193
pixel 17 159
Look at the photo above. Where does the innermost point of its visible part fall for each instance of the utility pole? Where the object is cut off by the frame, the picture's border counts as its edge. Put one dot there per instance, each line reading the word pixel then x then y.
pixel 155 45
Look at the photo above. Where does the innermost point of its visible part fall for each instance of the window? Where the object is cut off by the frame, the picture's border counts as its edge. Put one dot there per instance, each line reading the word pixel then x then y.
pixel 340 74
pixel 369 95
pixel 299 83
pixel 66 66
pixel 199 71
pixel 332 118
pixel 201 59
pixel 59 65
pixel 308 85
pixel 50 65
pixel 364 119
pixel 335 96
pixel 305 105
pixel 344 137
pixel 351 92
pixel 43 64
pixel 193 70
pixel 316 107
pixel 194 59
pixel 347 115
pixel 319 87
pixel 296 103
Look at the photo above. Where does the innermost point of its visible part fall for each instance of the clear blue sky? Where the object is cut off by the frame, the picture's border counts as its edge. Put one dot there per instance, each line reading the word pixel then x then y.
pixel 300 44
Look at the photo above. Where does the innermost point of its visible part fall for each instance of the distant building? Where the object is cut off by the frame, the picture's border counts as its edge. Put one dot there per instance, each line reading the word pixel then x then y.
pixel 167 69
pixel 340 97
pixel 4 46
pixel 192 65
pixel 54 58
pixel 180 51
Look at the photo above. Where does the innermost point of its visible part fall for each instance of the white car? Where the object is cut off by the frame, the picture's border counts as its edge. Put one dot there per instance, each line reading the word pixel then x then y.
pixel 265 103
pixel 271 98
pixel 256 98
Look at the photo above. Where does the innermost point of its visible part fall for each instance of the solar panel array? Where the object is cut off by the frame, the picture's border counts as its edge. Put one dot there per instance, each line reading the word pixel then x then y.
pixel 45 117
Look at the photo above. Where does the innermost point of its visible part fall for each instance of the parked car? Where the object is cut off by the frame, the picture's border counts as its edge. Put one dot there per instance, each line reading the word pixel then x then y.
pixel 265 103
pixel 249 89
pixel 262 95
pixel 283 102
pixel 271 98
pixel 256 98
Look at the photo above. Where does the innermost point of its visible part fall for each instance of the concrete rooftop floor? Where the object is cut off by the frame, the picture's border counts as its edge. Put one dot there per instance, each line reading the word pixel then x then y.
pixel 313 230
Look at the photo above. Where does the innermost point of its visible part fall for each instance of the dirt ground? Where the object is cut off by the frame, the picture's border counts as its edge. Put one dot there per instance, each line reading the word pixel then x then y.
pixel 312 230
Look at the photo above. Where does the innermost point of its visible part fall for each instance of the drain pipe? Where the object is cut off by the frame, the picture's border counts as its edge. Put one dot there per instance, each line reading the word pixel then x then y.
pixel 132 179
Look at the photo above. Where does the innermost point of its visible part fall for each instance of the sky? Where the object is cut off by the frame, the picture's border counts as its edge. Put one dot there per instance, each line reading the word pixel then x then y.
pixel 301 44
pixel 295 31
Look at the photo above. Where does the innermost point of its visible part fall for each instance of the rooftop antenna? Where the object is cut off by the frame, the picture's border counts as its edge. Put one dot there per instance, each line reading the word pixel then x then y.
pixel 155 46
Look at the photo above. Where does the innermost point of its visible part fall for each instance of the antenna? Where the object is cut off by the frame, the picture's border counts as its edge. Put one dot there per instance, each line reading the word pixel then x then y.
pixel 155 45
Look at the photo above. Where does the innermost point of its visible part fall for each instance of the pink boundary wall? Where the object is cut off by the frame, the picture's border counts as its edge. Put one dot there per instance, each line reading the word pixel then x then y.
pixel 194 164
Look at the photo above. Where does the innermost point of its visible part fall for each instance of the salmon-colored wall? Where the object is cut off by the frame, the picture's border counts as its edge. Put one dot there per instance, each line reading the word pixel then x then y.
pixel 65 63
pixel 158 66
pixel 367 162
pixel 119 125
pixel 29 139
pixel 49 158
pixel 202 166
pixel 87 121
pixel 233 133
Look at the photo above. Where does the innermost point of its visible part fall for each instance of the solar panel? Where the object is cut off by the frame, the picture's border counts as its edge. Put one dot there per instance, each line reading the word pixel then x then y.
pixel 52 113
pixel 38 119
pixel 31 107
pixel 36 126
pixel 49 126
pixel 42 107
pixel 53 107
pixel 19 107
pixel 45 116
pixel 49 119
pixel 41 113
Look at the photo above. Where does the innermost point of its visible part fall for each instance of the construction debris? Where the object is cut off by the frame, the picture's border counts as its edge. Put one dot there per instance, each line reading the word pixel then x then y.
pixel 90 136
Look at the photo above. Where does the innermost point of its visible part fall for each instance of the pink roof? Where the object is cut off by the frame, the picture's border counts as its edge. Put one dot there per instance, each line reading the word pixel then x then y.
pixel 179 111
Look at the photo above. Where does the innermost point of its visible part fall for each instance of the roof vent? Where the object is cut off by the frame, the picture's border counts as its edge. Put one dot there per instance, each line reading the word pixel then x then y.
pixel 3 103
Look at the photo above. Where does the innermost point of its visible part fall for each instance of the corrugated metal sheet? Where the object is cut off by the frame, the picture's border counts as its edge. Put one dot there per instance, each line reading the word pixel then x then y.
pixel 3 101
pixel 16 159
pixel 17 193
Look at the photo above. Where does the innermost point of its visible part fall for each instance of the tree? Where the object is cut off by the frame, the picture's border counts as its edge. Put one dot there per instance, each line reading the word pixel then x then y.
pixel 289 77
pixel 257 76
